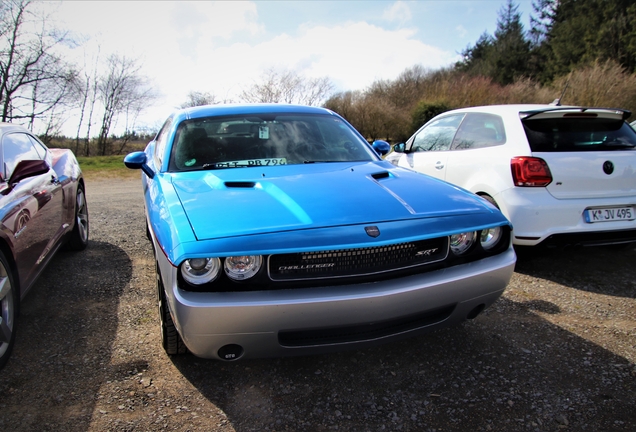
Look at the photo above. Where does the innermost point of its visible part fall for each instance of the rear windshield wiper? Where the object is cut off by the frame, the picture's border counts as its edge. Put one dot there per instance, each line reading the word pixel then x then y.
pixel 617 144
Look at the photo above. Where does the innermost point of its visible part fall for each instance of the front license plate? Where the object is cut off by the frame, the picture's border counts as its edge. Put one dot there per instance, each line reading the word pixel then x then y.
pixel 609 214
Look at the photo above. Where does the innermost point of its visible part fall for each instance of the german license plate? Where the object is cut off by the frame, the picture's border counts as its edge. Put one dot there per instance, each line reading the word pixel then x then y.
pixel 251 163
pixel 609 214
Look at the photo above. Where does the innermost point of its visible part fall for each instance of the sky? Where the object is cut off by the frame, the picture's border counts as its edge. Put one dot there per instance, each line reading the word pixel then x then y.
pixel 225 47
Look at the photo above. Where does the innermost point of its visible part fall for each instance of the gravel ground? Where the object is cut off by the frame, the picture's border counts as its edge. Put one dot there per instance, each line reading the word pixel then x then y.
pixel 556 352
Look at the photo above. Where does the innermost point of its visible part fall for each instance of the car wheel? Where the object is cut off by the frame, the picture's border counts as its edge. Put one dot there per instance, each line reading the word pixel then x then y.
pixel 170 338
pixel 9 303
pixel 79 235
pixel 148 233
pixel 490 200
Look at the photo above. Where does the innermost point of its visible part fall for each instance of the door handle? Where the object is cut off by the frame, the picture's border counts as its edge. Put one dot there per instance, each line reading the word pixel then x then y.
pixel 439 165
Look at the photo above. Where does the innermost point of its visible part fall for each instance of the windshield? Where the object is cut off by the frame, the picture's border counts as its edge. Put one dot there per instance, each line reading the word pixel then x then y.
pixel 266 140
pixel 579 134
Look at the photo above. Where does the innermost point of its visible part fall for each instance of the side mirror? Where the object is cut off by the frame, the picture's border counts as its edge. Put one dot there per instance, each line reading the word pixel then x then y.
pixel 400 148
pixel 137 160
pixel 28 168
pixel 381 147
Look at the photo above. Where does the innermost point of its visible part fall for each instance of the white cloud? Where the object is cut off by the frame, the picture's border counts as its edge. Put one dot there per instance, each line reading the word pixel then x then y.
pixel 221 47
pixel 461 31
pixel 398 12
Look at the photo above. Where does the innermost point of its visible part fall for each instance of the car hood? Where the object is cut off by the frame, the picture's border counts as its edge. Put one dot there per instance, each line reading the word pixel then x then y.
pixel 244 201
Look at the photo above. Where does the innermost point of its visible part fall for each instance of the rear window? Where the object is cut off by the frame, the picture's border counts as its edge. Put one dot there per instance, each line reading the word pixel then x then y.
pixel 579 134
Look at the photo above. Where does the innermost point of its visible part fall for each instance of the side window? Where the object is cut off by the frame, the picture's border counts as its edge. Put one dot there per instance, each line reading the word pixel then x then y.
pixel 437 135
pixel 162 140
pixel 15 148
pixel 39 147
pixel 479 130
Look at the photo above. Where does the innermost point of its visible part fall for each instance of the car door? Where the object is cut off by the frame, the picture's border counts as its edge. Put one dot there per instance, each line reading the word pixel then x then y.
pixel 475 160
pixel 427 151
pixel 32 208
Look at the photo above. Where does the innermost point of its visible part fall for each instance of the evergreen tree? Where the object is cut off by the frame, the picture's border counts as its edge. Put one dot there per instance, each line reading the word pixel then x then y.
pixel 511 48
pixel 582 32
pixel 541 21
pixel 504 56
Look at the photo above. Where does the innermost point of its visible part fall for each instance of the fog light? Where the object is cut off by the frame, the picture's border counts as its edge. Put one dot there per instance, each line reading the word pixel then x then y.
pixel 230 352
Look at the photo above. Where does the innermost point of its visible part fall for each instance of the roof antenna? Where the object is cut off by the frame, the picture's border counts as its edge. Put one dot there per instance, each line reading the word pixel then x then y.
pixel 557 102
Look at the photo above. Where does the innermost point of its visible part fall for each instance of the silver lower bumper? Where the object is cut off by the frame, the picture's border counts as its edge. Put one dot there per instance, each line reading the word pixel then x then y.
pixel 253 320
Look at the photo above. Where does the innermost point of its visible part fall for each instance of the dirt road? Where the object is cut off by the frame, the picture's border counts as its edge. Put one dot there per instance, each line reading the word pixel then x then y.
pixel 557 352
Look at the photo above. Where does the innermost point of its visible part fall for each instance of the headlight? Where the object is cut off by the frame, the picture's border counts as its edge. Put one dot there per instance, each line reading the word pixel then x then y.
pixel 460 243
pixel 242 267
pixel 490 237
pixel 199 271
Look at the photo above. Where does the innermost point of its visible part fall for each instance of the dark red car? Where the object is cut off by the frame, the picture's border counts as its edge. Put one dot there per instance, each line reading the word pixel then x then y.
pixel 42 207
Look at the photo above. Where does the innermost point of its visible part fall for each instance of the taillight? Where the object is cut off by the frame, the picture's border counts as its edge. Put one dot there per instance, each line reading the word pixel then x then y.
pixel 530 172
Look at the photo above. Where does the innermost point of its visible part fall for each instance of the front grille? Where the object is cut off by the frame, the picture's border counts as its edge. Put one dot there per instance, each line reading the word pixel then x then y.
pixel 356 262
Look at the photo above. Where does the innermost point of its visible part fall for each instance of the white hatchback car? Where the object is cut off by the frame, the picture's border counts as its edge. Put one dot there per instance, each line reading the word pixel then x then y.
pixel 562 175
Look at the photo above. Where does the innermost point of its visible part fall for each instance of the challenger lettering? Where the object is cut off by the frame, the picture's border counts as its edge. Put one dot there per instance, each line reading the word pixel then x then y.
pixel 306 266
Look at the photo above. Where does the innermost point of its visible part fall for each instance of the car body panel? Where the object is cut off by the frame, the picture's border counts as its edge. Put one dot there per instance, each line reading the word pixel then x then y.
pixel 537 214
pixel 283 191
pixel 38 212
pixel 39 195
pixel 254 320
pixel 300 208
pixel 581 175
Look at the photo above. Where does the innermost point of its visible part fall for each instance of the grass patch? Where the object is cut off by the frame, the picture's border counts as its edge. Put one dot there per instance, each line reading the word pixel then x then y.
pixel 93 163
pixel 94 167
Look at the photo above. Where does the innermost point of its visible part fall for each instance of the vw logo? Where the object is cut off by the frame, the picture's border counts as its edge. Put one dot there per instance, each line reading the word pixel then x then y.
pixel 608 167
pixel 372 231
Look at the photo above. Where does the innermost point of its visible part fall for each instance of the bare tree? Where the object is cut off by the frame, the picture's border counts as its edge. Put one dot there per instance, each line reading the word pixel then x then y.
pixel 122 91
pixel 85 91
pixel 288 87
pixel 33 79
pixel 196 98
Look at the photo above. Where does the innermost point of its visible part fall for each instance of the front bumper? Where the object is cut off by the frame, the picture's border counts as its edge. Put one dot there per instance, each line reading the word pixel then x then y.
pixel 317 320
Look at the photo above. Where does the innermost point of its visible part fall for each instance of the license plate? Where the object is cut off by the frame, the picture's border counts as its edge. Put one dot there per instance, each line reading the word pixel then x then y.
pixel 609 214
pixel 251 163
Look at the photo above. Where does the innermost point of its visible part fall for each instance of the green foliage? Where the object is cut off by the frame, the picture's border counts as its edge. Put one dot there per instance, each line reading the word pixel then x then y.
pixel 582 32
pixel 504 57
pixel 100 163
pixel 588 44
pixel 424 111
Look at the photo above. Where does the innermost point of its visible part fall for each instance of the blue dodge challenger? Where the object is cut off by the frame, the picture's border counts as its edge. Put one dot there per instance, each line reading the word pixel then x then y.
pixel 278 230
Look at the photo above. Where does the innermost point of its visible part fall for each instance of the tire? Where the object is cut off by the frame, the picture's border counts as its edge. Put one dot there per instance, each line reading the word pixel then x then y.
pixel 170 338
pixel 9 306
pixel 490 200
pixel 79 236
pixel 148 234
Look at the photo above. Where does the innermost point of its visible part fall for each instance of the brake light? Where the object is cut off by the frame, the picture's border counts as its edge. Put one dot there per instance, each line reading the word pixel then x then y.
pixel 530 172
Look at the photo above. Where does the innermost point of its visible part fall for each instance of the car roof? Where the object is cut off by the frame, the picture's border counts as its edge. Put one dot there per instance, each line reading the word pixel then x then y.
pixel 242 109
pixel 533 109
pixel 12 127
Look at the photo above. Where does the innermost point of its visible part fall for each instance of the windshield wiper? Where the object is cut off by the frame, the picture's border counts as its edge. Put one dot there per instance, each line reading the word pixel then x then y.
pixel 223 165
pixel 617 144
